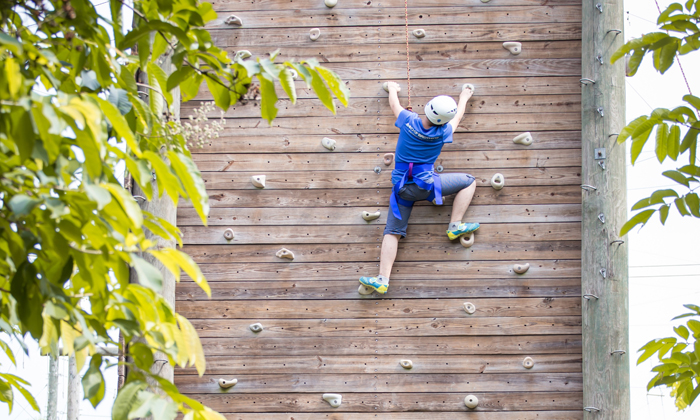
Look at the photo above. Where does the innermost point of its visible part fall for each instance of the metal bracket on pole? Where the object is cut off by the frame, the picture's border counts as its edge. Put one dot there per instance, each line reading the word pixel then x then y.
pixel 588 187
pixel 587 81
pixel 590 409
pixel 601 217
pixel 603 272
pixel 620 352
pixel 599 7
pixel 617 31
pixel 601 111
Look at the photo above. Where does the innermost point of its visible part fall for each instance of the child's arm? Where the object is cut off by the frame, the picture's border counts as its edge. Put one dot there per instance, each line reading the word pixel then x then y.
pixel 396 107
pixel 461 107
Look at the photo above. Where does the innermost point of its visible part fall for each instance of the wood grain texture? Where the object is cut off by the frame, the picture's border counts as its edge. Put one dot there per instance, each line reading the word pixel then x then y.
pixel 480 415
pixel 283 5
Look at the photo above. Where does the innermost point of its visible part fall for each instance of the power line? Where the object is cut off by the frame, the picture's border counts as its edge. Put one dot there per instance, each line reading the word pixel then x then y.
pixel 664 265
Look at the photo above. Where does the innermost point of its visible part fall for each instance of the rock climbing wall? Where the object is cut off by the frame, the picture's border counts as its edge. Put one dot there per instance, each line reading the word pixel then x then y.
pixel 318 334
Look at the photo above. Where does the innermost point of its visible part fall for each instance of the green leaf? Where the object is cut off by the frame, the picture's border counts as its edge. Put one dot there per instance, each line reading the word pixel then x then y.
pixel 160 45
pixel 159 80
pixel 691 170
pixel 287 82
pixel 8 351
pixel 119 124
pixel 29 397
pixel 221 94
pixel 630 128
pixel 673 142
pixel 665 14
pixel 126 399
pixel 638 144
pixel 144 50
pixel 149 276
pixel 120 99
pixel 189 87
pixel 142 354
pixel 268 98
pixel 680 205
pixel 88 80
pixel 664 56
pixel 693 203
pixel 663 213
pixel 637 219
pixel 21 205
pixel 321 90
pixel 690 142
pixel 185 262
pixel 176 78
pixel 649 349
pixel 335 83
pixel 23 132
pixel 127 203
pixel 661 145
pixel 682 331
pixel 191 178
pixel 692 100
pixel 93 381
pixel 98 194
pixel 677 176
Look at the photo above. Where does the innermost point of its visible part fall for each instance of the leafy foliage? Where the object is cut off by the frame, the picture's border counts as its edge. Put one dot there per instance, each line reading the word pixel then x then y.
pixel 74 104
pixel 679 360
pixel 676 131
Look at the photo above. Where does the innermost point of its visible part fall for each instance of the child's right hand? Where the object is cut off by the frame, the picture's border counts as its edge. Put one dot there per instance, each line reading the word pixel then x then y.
pixel 393 86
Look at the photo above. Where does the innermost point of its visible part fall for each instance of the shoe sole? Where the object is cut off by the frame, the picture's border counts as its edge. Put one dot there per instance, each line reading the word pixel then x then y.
pixel 453 237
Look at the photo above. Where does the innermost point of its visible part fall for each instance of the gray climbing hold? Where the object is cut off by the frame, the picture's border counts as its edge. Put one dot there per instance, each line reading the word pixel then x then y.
pixel 498 181
pixel 388 159
pixel 285 253
pixel 469 86
pixel 419 33
pixel 406 364
pixel 228 234
pixel 256 328
pixel 242 55
pixel 525 139
pixel 528 363
pixel 364 290
pixel 469 308
pixel 371 216
pixel 331 3
pixel 521 268
pixel 234 20
pixel 385 86
pixel 258 180
pixel 471 401
pixel 314 34
pixel 467 240
pixel 328 143
pixel 515 48
pixel 333 399
pixel 223 383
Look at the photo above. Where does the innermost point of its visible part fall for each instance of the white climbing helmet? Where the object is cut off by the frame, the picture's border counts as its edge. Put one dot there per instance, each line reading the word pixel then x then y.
pixel 441 109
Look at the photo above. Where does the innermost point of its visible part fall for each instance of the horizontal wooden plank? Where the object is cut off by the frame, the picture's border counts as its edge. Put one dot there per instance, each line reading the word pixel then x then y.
pixel 427 382
pixel 368 179
pixel 387 16
pixel 402 270
pixel 474 415
pixel 384 308
pixel 241 365
pixel 237 5
pixel 400 289
pixel 366 88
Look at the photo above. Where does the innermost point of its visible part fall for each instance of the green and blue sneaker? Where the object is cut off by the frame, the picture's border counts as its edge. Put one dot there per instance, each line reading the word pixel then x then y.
pixel 373 282
pixel 463 229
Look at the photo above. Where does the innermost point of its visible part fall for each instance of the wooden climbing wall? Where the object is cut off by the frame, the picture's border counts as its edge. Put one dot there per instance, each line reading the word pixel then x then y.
pixel 319 335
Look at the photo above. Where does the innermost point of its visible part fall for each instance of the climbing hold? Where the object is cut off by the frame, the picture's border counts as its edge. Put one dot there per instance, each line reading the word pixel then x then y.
pixel 528 363
pixel 521 268
pixel 469 86
pixel 419 33
pixel 285 253
pixel 371 216
pixel 435 201
pixel 471 401
pixel 256 328
pixel 314 34
pixel 364 290
pixel 385 86
pixel 406 364
pixel 294 74
pixel 485 1
pixel 515 48
pixel 525 139
pixel 223 383
pixel 467 240
pixel 469 308
pixel 328 143
pixel 228 234
pixel 242 55
pixel 234 20
pixel 258 180
pixel 333 399
pixel 388 159
pixel 331 3
pixel 498 181
pixel 377 169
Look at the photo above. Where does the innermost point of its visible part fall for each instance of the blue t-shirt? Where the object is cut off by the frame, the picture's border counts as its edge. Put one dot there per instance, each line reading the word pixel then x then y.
pixel 418 145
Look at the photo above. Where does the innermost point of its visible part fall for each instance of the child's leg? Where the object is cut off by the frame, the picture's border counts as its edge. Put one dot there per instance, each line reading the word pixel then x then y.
pixel 390 246
pixel 464 186
pixel 461 203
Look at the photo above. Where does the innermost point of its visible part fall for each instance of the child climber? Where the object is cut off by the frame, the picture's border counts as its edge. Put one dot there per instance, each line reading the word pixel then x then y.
pixel 419 145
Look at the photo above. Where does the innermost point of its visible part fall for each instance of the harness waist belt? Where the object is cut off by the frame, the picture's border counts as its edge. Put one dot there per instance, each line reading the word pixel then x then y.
pixel 435 188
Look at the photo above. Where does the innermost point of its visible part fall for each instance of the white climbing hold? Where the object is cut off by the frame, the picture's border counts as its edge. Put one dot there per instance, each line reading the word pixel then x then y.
pixel 223 383
pixel 469 308
pixel 471 401
pixel 331 3
pixel 385 86
pixel 467 240
pixel 364 290
pixel 333 399
pixel 285 253
pixel 468 86
pixel 515 48
pixel 419 33
pixel 242 55
pixel 328 143
pixel 234 20
pixel 498 181
pixel 371 216
pixel 406 364
pixel 258 180
pixel 314 34
pixel 228 234
pixel 521 268
pixel 294 74
pixel 388 159
pixel 525 139
pixel 256 328
pixel 528 363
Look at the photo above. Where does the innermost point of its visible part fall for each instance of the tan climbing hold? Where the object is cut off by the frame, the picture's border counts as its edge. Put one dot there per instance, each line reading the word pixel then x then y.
pixel 485 1
pixel 330 3
pixel 468 86
pixel 525 139
pixel 388 159
pixel 242 55
pixel 285 253
pixel 256 328
pixel 385 86
pixel 258 180
pixel 223 383
pixel 515 48
pixel 371 216
pixel 434 202
pixel 419 33
pixel 328 143
pixel 406 364
pixel 333 399
pixel 498 181
pixel 471 401
pixel 521 268
pixel 469 308
pixel 364 290
pixel 467 240
pixel 314 34
pixel 234 20
pixel 528 363
pixel 228 234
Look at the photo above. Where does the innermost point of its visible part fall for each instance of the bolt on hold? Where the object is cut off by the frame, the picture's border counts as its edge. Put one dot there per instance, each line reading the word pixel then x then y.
pixel 285 253
pixel 528 363
pixel 228 234
pixel 406 364
pixel 525 139
pixel 469 308
pixel 335 400
pixel 224 384
pixel 515 48
pixel 256 328
pixel 471 401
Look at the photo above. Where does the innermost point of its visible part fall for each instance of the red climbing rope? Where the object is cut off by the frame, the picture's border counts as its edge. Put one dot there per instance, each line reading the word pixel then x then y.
pixel 408 62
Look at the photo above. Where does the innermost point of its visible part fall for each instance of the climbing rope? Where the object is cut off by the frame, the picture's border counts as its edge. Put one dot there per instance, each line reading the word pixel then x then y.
pixel 408 62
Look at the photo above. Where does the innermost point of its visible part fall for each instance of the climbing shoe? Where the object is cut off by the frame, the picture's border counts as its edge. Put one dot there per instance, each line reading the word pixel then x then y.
pixel 373 282
pixel 463 229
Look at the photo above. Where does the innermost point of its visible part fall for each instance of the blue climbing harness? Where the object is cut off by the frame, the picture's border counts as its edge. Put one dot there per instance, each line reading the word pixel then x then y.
pixel 435 188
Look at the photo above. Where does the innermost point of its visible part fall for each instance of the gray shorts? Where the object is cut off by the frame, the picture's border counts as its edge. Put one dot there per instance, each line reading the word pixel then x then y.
pixel 451 184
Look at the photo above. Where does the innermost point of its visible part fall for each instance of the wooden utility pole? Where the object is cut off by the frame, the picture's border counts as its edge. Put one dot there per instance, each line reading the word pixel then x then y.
pixel 604 271
pixel 73 397
pixel 52 402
